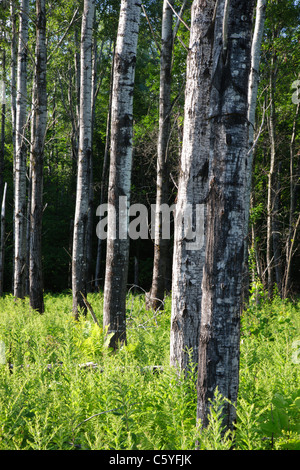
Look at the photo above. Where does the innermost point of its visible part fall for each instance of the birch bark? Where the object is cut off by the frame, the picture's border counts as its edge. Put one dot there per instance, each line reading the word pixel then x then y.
pixel 224 262
pixel 161 245
pixel 114 309
pixel 13 73
pixel 20 160
pixel 38 131
pixel 79 253
pixel 192 189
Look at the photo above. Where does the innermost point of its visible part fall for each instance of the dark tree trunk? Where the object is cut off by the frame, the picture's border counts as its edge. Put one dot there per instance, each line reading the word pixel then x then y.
pixel 222 278
pixel 38 131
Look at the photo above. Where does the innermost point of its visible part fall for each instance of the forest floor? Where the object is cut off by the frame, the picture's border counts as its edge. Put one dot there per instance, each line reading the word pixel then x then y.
pixel 52 399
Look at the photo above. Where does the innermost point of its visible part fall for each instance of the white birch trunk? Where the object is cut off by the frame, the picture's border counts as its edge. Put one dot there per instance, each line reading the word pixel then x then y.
pixel 224 263
pixel 38 131
pixel 13 73
pixel 192 190
pixel 79 253
pixel 115 287
pixel 20 161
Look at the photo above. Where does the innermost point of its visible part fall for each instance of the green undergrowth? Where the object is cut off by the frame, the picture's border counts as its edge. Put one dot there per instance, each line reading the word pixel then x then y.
pixel 52 397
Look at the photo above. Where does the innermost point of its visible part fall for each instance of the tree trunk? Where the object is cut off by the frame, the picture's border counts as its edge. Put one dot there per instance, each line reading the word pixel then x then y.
pixel 21 152
pixel 270 198
pixel 161 245
pixel 224 261
pixel 192 190
pixel 103 184
pixel 117 256
pixel 79 254
pixel 252 100
pixel 38 131
pixel 13 74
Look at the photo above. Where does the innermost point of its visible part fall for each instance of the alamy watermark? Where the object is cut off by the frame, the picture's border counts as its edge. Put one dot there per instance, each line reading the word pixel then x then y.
pixel 134 222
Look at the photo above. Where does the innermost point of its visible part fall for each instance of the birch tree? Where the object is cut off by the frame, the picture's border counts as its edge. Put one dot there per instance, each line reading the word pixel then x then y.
pixel 161 245
pixel 218 366
pixel 79 253
pixel 13 74
pixel 192 189
pixel 38 130
pixel 21 155
pixel 115 286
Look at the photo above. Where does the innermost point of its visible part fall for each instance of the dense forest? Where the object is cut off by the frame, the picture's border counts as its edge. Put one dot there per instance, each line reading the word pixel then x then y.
pixel 173 103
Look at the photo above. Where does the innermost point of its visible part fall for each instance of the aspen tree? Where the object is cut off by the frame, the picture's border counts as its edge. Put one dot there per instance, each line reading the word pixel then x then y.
pixel 218 366
pixel 79 253
pixel 192 189
pixel 117 254
pixel 21 155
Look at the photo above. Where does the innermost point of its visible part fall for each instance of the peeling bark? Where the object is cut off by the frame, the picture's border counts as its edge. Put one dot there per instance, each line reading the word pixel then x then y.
pixel 192 190
pixel 224 260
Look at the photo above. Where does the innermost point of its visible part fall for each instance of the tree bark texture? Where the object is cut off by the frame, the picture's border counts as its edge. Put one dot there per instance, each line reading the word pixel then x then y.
pixel 192 189
pixel 117 255
pixel 13 73
pixel 218 366
pixel 38 131
pixel 161 245
pixel 20 160
pixel 79 253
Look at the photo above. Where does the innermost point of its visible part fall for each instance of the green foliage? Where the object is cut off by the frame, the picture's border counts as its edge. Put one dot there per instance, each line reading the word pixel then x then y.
pixel 52 399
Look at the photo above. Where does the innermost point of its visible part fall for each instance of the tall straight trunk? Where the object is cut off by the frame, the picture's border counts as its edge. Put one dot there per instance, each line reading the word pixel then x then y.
pixel 79 253
pixel 188 256
pixel 2 239
pixel 21 153
pixel 117 253
pixel 90 233
pixel 103 185
pixel 260 18
pixel 38 131
pixel 13 73
pixel 161 245
pixel 270 196
pixel 276 229
pixel 218 366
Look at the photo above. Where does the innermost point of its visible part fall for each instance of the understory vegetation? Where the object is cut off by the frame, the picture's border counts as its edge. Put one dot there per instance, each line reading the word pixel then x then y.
pixel 61 387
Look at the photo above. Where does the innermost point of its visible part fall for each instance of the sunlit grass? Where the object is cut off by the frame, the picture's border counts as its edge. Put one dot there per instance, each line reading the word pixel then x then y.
pixel 49 400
